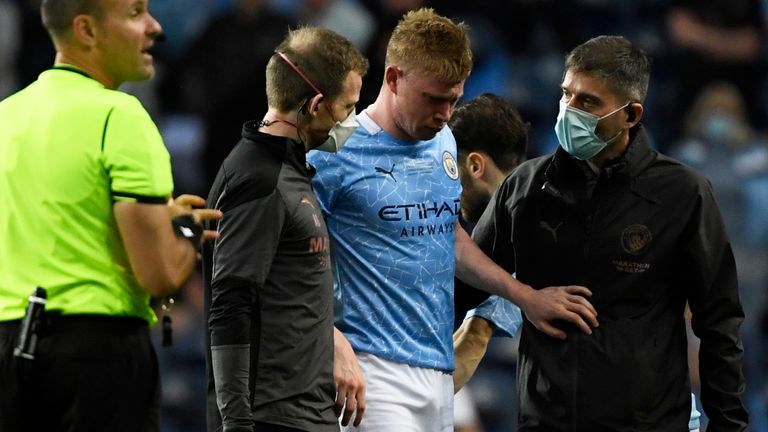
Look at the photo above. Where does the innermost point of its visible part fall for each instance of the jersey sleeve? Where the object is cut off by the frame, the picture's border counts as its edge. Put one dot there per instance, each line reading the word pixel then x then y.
pixel 505 316
pixel 134 156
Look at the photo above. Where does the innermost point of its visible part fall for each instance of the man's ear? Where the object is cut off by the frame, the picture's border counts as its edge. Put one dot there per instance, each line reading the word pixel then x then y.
pixel 476 165
pixel 84 30
pixel 634 113
pixel 313 104
pixel 391 77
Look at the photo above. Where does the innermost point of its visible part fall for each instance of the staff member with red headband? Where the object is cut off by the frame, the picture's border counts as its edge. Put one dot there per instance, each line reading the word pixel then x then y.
pixel 268 283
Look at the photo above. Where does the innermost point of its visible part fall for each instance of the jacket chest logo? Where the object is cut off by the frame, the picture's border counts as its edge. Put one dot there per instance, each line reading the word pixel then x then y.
pixel 636 239
pixel 315 218
pixel 553 230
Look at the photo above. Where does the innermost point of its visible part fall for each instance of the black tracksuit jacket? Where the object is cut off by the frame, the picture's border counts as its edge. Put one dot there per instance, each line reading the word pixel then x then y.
pixel 268 292
pixel 645 236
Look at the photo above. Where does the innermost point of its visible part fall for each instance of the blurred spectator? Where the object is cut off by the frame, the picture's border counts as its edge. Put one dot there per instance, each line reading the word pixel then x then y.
pixel 348 18
pixel 716 40
pixel 221 78
pixel 519 47
pixel 183 132
pixel 720 143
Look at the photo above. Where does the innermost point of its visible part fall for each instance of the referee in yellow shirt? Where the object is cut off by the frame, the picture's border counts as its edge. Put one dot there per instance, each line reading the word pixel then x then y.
pixel 86 213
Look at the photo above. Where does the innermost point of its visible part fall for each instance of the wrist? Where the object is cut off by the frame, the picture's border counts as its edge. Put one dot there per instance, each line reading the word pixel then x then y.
pixel 185 226
pixel 520 294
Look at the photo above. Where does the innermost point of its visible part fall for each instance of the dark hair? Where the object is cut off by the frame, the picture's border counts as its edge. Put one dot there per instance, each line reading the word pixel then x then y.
pixel 492 125
pixel 625 67
pixel 58 15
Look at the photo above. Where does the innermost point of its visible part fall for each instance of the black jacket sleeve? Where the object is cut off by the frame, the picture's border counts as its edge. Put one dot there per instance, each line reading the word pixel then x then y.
pixel 249 233
pixel 717 314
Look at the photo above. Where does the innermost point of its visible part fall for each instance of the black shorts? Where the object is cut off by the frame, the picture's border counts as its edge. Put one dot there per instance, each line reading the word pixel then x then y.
pixel 90 373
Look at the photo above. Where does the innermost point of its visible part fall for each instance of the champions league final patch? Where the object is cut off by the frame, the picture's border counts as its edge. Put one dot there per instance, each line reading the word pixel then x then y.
pixel 449 165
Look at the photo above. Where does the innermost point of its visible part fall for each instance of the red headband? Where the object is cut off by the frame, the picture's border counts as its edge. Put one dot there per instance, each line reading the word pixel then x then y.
pixel 309 81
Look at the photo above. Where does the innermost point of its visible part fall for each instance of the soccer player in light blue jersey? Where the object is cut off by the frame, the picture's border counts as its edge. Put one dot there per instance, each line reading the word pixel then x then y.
pixel 391 199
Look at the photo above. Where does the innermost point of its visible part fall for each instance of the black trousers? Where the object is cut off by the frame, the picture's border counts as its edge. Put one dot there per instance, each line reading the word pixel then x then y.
pixel 90 373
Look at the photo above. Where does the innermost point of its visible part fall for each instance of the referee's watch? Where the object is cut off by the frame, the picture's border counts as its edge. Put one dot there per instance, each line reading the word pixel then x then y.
pixel 186 227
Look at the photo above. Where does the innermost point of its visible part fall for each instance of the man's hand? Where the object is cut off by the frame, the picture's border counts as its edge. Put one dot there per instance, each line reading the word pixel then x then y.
pixel 565 303
pixel 193 204
pixel 469 345
pixel 161 260
pixel 350 383
pixel 541 307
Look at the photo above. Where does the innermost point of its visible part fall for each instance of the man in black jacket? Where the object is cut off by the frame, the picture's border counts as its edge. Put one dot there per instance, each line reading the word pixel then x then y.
pixel 644 234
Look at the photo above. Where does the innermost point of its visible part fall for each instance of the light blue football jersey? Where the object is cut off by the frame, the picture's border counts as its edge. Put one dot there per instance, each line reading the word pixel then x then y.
pixel 391 208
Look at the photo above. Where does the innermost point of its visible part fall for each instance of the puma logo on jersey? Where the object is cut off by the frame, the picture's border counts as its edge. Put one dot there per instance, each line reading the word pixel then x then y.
pixel 305 200
pixel 389 173
pixel 549 228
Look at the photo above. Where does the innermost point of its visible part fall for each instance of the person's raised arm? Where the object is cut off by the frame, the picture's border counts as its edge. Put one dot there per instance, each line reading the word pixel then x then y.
pixel 161 260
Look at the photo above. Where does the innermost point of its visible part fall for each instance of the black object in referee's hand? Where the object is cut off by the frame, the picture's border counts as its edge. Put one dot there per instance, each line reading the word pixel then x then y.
pixel 31 325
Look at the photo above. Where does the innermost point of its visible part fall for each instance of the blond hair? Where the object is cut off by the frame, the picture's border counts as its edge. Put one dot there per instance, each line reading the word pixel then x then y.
pixel 428 43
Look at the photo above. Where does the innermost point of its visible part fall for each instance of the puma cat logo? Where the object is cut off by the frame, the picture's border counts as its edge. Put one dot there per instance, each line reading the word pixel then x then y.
pixel 549 228
pixel 389 173
pixel 305 200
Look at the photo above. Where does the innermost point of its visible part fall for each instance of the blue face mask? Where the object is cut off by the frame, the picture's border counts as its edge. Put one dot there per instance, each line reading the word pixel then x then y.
pixel 575 131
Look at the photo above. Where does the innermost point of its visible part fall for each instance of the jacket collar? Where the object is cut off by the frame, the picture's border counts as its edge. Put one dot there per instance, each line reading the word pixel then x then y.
pixel 295 153
pixel 575 179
